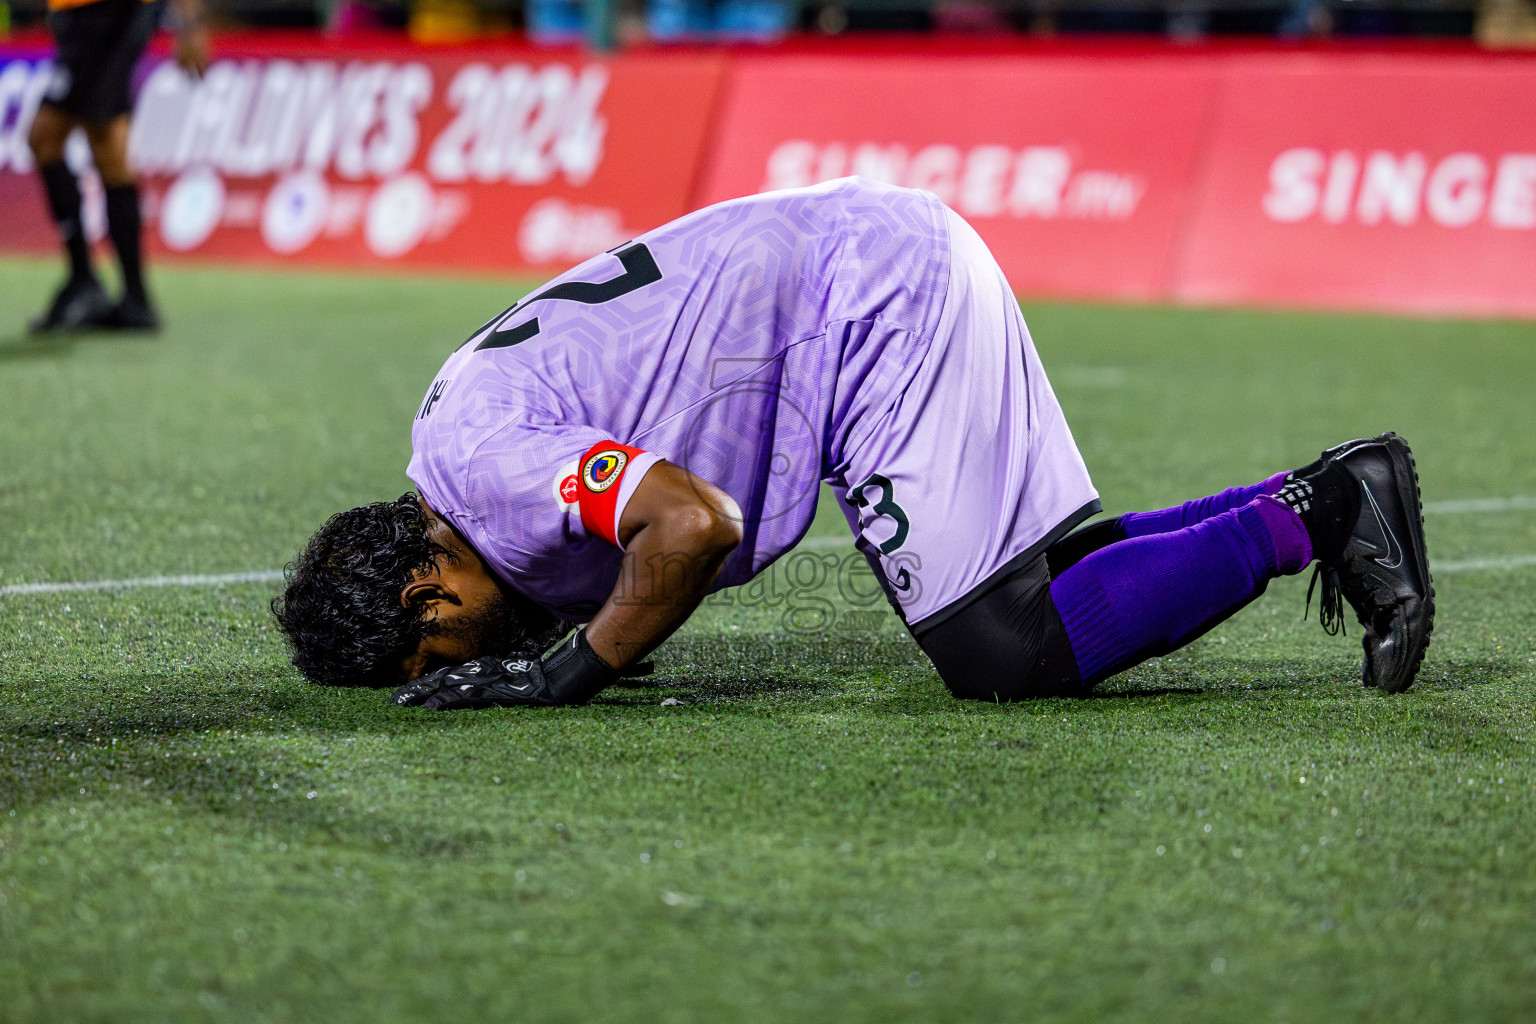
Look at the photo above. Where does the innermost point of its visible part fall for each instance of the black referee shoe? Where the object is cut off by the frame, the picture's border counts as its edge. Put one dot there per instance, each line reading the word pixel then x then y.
pixel 1383 569
pixel 77 306
pixel 130 314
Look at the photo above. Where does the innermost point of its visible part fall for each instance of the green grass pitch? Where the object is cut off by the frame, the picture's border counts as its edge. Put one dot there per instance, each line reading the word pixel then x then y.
pixel 818 832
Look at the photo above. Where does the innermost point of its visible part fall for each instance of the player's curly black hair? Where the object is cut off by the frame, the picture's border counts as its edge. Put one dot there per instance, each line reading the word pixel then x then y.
pixel 340 609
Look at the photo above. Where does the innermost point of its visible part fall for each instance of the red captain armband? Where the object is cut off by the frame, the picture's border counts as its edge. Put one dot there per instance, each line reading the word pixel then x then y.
pixel 599 481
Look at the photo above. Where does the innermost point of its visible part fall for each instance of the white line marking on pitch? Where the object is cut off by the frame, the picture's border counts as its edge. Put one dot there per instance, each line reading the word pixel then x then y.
pixel 262 576
pixel 810 543
pixel 1481 564
pixel 1518 503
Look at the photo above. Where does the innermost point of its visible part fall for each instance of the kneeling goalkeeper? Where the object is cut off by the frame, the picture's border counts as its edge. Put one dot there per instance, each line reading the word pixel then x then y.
pixel 655 424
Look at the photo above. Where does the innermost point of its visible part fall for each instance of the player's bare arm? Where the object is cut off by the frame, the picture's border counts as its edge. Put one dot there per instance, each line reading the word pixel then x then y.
pixel 191 37
pixel 677 532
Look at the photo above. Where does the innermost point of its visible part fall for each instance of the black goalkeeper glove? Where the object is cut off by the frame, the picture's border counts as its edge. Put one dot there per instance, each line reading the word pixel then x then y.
pixel 572 675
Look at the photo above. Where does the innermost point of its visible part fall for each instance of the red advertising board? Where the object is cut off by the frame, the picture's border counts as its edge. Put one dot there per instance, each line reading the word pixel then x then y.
pixel 23 226
pixel 1075 170
pixel 1401 182
pixel 1392 180
pixel 383 153
pixel 1375 181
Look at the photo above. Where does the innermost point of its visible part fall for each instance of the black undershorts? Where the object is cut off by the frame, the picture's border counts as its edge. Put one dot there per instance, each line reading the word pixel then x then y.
pixel 98 45
pixel 1007 641
pixel 1006 644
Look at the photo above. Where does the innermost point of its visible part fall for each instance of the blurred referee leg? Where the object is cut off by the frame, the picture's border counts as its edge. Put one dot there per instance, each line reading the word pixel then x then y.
pixel 98 43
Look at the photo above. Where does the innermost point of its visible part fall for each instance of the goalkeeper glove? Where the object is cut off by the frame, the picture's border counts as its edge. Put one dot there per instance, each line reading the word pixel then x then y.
pixel 572 675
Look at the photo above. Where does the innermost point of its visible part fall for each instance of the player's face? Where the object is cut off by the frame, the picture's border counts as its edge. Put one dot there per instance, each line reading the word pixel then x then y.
pixel 474 614
pixel 485 618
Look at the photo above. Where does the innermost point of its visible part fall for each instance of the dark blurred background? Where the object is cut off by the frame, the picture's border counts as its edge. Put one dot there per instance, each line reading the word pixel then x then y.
pixel 608 23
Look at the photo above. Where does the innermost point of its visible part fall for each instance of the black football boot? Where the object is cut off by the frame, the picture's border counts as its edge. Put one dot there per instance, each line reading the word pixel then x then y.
pixel 1380 566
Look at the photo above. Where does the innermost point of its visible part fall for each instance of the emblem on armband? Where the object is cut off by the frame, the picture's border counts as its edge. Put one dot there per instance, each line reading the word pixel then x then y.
pixel 602 469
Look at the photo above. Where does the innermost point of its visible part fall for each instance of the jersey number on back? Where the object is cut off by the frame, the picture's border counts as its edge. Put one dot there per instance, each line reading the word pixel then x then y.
pixel 640 269
pixel 858 497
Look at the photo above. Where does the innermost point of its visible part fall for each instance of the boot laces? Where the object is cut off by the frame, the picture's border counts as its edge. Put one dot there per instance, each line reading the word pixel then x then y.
pixel 1330 607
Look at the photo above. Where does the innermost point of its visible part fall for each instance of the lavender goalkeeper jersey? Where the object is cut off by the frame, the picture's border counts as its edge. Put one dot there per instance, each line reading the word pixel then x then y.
pixel 757 343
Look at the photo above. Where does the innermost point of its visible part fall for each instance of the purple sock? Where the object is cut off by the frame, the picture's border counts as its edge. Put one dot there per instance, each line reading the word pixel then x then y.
pixel 1152 594
pixel 1167 520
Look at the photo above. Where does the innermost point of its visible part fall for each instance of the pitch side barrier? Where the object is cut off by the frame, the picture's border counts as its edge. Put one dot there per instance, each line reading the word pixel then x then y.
pixel 372 152
pixel 1398 181
pixel 1395 179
